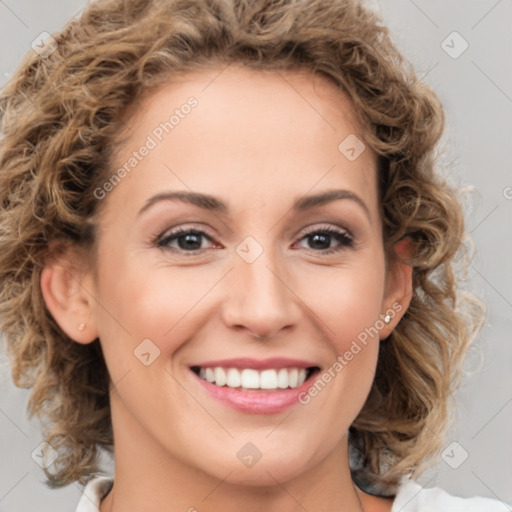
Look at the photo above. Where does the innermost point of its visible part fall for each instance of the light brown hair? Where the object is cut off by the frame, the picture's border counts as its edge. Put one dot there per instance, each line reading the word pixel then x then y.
pixel 59 119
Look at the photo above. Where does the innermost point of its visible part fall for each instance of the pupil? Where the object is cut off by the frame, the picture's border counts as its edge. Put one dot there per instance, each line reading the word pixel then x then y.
pixel 323 239
pixel 191 241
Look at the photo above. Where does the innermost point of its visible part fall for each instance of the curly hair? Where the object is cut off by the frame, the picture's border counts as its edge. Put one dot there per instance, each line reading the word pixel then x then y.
pixel 59 116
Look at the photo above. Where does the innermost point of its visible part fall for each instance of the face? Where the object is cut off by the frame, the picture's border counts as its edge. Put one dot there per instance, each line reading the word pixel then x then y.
pixel 244 243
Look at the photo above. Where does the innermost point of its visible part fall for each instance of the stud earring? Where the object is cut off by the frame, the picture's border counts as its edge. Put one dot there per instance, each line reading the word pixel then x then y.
pixel 387 319
pixel 81 327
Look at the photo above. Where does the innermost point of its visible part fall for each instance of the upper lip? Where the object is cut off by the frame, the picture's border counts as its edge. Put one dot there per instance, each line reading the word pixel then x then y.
pixel 259 364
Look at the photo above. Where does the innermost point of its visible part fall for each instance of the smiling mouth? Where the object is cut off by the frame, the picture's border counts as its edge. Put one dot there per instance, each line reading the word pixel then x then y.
pixel 249 379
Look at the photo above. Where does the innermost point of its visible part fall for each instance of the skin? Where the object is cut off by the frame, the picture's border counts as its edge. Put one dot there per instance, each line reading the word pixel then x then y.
pixel 258 141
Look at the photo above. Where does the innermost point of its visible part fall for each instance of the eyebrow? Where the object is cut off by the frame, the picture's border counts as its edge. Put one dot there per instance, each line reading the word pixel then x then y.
pixel 214 204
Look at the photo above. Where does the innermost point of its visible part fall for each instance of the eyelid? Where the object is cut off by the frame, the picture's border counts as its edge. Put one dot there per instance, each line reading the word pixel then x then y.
pixel 305 231
pixel 176 230
pixel 313 228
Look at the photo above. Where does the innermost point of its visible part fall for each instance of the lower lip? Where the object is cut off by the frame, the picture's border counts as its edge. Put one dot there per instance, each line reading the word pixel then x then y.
pixel 258 401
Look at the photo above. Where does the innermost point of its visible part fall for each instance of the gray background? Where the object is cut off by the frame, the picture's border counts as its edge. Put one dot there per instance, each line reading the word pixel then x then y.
pixel 476 90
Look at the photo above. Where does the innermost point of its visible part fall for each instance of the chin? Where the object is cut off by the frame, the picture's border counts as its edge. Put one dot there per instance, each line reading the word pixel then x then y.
pixel 245 467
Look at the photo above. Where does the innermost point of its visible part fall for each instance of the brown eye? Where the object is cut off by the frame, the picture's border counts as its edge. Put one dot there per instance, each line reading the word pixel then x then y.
pixel 320 240
pixel 187 240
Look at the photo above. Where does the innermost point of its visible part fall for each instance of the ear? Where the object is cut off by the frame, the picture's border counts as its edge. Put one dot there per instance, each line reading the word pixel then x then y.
pixel 64 286
pixel 398 289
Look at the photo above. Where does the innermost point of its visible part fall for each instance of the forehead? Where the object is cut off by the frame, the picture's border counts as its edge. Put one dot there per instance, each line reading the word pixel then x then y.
pixel 247 133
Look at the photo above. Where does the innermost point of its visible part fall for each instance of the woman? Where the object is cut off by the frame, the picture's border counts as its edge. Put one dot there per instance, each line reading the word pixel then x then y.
pixel 229 259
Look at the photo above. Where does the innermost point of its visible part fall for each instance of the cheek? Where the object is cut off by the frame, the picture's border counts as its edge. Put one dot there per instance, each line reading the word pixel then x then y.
pixel 157 303
pixel 347 306
pixel 347 301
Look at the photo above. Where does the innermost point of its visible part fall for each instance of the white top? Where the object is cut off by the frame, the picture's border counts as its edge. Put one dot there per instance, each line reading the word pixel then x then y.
pixel 410 497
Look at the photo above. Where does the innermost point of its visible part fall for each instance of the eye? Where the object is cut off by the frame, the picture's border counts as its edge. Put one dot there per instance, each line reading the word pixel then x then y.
pixel 321 239
pixel 187 240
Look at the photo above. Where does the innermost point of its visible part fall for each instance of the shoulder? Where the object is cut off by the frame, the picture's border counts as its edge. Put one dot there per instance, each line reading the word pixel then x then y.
pixel 95 490
pixel 412 497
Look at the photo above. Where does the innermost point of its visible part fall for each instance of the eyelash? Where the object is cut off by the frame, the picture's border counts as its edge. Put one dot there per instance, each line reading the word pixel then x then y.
pixel 345 240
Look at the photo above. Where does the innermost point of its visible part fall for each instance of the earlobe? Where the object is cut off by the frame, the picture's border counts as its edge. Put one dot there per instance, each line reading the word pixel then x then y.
pixel 398 293
pixel 68 302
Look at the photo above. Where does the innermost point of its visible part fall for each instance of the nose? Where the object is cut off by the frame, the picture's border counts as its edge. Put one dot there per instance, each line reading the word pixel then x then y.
pixel 260 298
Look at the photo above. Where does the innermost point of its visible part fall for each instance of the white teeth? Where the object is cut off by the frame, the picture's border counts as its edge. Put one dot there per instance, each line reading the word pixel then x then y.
pixel 249 378
pixel 302 377
pixel 293 377
pixel 282 378
pixel 220 376
pixel 268 379
pixel 234 380
pixel 210 375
